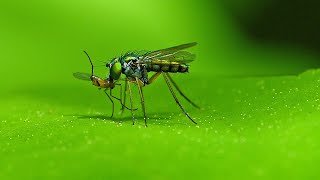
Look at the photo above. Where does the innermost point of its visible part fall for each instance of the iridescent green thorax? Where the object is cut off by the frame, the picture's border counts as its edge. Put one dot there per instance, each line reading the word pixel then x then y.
pixel 132 67
pixel 131 56
pixel 126 64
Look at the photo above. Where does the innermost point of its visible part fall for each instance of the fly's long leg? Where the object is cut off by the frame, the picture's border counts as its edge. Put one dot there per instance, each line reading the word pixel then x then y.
pixel 175 98
pixel 180 92
pixel 120 94
pixel 131 105
pixel 105 91
pixel 124 96
pixel 119 99
pixel 142 101
pixel 154 77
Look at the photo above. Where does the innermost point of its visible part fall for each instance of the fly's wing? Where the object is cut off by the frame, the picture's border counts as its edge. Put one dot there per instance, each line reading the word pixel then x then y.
pixel 82 76
pixel 180 57
pixel 173 54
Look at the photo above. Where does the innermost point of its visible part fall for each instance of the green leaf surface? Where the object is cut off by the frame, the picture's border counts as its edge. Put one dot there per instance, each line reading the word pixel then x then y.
pixel 247 128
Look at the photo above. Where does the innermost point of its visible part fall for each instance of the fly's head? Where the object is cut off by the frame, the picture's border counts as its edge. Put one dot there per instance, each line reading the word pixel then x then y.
pixel 115 69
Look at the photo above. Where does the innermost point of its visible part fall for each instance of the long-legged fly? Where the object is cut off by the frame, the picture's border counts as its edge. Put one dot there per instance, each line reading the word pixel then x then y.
pixel 136 66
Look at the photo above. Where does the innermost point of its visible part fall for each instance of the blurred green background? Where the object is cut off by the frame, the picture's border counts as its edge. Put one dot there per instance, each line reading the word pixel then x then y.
pixel 42 40
pixel 54 126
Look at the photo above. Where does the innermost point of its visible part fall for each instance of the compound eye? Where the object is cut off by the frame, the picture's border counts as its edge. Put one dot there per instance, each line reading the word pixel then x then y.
pixel 107 65
pixel 115 71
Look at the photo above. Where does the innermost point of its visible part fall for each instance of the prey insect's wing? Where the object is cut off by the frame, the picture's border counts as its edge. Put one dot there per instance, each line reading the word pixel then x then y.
pixel 82 76
pixel 173 54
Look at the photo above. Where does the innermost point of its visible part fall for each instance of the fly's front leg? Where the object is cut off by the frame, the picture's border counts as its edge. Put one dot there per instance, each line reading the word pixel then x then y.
pixel 124 96
pixel 105 91
pixel 120 99
pixel 120 94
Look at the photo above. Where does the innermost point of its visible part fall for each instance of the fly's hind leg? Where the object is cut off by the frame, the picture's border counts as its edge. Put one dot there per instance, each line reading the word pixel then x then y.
pixel 175 97
pixel 180 92
pixel 154 77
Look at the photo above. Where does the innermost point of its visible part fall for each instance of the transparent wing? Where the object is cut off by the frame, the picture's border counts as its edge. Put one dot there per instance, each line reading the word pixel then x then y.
pixel 171 54
pixel 180 56
pixel 82 76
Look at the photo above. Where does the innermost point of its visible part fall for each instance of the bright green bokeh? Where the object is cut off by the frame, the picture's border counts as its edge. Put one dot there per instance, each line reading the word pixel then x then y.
pixel 53 125
pixel 42 41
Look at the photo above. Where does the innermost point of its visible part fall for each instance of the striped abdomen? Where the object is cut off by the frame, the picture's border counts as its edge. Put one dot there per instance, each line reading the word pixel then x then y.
pixel 166 66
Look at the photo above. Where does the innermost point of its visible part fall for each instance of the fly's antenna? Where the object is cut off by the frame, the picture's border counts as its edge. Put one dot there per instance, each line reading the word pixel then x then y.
pixel 90 62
